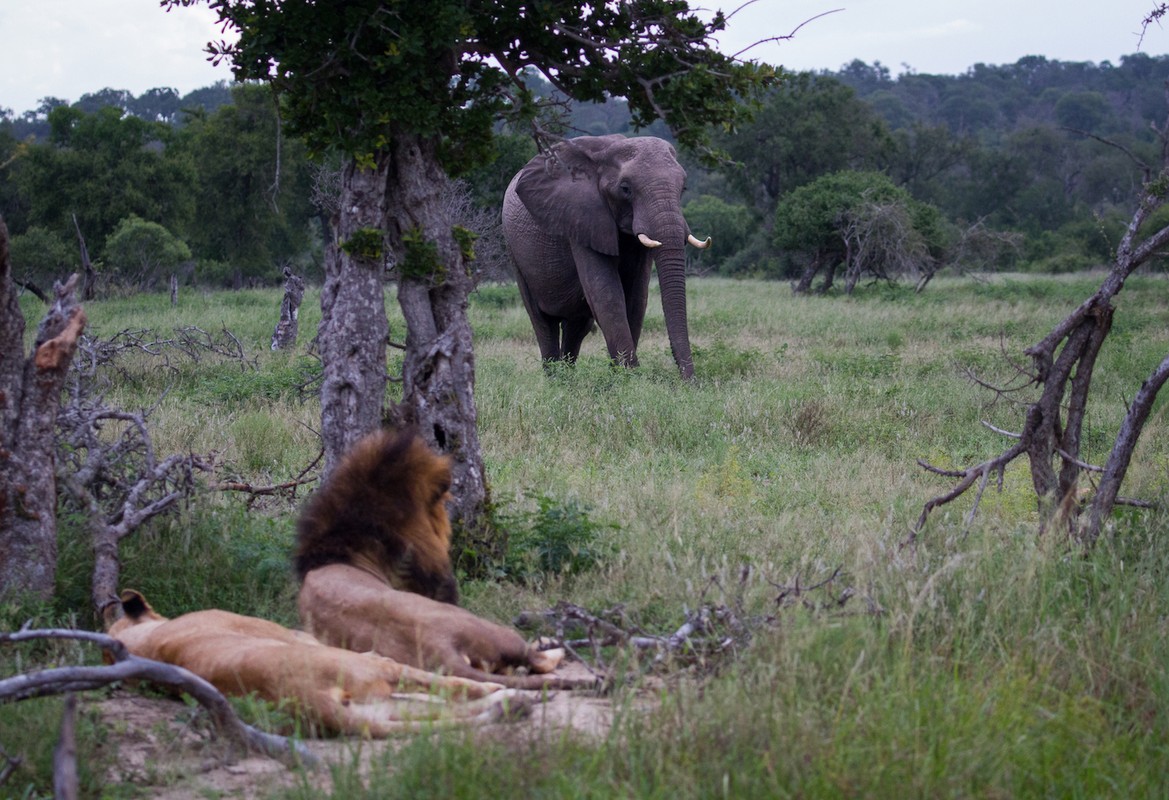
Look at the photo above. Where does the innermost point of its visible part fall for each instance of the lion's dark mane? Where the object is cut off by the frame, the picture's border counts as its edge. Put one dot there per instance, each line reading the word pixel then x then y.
pixel 378 504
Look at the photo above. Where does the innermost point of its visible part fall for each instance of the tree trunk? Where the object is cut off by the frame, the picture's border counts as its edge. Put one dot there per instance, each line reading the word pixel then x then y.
pixel 353 330
pixel 399 204
pixel 434 281
pixel 804 284
pixel 284 336
pixel 30 392
pixel 90 282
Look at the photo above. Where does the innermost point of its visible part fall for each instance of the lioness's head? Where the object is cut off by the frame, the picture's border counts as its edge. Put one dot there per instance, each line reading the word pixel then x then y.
pixel 384 507
pixel 137 620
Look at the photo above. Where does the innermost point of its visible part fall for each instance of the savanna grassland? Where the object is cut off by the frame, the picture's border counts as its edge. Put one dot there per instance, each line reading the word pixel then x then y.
pixel 983 662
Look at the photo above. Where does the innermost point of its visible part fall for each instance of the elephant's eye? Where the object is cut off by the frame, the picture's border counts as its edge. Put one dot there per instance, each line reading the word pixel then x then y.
pixel 625 189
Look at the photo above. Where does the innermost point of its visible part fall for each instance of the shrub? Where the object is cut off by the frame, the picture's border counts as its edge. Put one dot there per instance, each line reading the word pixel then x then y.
pixel 42 257
pixel 557 539
pixel 142 252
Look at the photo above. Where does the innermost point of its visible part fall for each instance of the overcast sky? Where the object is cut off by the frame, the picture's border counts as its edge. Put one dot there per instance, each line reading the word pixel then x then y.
pixel 67 48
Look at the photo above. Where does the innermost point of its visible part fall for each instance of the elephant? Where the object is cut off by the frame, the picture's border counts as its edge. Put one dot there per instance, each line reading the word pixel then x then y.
pixel 584 221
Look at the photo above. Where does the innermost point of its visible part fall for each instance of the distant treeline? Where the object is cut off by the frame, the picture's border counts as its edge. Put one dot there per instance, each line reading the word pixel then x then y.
pixel 1033 165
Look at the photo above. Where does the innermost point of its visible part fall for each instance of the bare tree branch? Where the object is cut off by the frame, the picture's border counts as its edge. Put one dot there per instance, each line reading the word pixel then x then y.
pixel 1122 450
pixel 60 680
pixel 1064 362
pixel 706 636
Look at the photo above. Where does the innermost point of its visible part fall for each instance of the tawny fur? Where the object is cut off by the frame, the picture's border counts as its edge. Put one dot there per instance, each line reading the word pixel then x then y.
pixel 340 690
pixel 368 539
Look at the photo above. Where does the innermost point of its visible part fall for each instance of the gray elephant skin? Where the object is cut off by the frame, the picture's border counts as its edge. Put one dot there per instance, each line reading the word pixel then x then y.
pixel 584 222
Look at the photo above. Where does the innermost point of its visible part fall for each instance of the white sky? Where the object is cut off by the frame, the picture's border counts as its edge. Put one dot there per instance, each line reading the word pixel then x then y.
pixel 67 48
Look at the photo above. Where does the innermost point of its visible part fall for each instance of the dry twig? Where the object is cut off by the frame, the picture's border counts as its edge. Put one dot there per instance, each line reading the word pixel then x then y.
pixel 707 636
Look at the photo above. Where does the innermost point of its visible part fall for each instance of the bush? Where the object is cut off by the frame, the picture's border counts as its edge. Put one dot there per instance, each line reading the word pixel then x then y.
pixel 142 253
pixel 759 259
pixel 557 539
pixel 42 257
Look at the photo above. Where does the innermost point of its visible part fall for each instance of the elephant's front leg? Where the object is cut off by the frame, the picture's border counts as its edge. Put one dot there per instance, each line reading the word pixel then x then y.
pixel 603 288
pixel 636 265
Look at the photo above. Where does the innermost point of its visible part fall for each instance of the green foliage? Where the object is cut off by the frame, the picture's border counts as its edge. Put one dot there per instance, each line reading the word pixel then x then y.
pixel 556 540
pixel 41 256
pixel 726 362
pixel 365 243
pixel 143 253
pixel 253 186
pixel 489 180
pixel 819 222
pixel 808 126
pixel 466 240
pixel 179 562
pixel 29 732
pixel 421 261
pixel 809 219
pixel 104 167
pixel 355 80
pixel 729 227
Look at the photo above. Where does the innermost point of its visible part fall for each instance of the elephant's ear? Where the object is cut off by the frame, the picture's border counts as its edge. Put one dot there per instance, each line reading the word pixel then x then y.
pixel 560 190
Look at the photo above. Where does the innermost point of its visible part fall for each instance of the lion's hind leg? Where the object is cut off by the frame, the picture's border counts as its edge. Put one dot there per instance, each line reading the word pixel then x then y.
pixel 444 685
pixel 375 696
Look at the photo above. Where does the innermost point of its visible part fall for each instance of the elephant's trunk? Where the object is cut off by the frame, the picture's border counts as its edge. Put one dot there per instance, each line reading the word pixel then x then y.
pixel 671 266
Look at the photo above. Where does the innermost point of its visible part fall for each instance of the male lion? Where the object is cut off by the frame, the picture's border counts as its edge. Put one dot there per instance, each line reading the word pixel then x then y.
pixel 373 557
pixel 339 690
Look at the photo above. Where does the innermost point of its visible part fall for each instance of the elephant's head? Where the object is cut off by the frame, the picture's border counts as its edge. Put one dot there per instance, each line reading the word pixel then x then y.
pixel 621 197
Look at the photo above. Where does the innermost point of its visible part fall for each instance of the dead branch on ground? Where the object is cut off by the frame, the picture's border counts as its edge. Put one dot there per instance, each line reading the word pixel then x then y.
pixel 709 635
pixel 126 666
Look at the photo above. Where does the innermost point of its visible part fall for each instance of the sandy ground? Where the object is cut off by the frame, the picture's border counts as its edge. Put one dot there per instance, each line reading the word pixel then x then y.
pixel 169 756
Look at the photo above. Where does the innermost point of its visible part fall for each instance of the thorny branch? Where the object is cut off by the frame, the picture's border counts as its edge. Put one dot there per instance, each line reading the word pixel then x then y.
pixel 185 344
pixel 126 666
pixel 708 635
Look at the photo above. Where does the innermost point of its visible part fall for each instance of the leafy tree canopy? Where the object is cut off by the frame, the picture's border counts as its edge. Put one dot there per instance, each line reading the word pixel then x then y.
pixel 810 218
pixel 355 75
pixel 139 250
pixel 809 126
pixel 101 168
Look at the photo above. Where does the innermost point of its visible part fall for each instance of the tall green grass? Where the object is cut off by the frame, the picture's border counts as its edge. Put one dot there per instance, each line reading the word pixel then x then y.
pixel 983 662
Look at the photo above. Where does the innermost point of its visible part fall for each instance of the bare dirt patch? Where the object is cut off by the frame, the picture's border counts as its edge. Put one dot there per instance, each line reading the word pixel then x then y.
pixel 165 748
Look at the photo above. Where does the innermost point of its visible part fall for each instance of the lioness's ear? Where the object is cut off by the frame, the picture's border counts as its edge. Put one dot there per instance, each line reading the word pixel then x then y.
pixel 134 605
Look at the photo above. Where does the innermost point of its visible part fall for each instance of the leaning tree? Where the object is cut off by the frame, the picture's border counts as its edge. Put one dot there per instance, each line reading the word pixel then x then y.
pixel 408 92
pixel 1059 373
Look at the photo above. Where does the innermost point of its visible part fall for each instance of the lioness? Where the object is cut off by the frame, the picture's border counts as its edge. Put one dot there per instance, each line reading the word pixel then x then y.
pixel 373 557
pixel 341 691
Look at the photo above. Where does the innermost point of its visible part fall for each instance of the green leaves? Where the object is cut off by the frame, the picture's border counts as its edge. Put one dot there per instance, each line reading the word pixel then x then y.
pixel 366 244
pixel 354 75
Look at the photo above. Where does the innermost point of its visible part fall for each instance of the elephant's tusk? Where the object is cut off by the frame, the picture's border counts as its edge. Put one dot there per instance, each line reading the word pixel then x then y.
pixel 701 245
pixel 648 242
